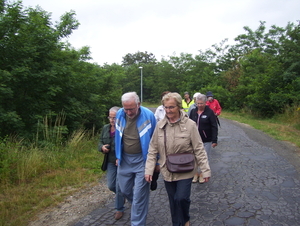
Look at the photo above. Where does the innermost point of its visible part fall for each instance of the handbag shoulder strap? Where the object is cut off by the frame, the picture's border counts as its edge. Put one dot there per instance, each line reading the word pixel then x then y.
pixel 165 139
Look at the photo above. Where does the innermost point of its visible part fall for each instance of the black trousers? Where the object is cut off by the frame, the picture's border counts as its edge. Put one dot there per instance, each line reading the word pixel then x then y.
pixel 179 193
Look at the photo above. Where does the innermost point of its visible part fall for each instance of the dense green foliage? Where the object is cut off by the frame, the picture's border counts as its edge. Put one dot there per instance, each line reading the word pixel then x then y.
pixel 40 75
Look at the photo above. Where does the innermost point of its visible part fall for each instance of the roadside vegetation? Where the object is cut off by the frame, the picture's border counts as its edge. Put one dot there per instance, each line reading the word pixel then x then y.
pixel 284 127
pixel 33 178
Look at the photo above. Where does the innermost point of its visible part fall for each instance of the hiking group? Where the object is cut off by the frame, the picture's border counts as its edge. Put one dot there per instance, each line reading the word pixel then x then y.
pixel 139 145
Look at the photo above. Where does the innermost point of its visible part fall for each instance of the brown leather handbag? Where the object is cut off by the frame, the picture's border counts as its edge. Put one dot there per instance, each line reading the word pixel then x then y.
pixel 179 162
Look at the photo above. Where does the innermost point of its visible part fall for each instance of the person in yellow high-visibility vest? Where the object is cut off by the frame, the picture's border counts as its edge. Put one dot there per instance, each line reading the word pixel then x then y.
pixel 187 101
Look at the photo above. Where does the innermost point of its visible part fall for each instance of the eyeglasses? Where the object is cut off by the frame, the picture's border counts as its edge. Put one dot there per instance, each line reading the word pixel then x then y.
pixel 170 107
pixel 111 118
pixel 130 109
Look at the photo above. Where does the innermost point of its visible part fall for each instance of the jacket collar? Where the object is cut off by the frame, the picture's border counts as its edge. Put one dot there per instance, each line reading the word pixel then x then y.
pixel 183 119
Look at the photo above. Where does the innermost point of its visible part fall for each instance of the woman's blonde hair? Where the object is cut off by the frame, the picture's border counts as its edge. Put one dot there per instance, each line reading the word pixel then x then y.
pixel 174 96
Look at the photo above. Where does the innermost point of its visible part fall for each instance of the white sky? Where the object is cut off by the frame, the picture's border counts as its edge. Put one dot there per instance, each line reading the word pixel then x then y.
pixel 114 28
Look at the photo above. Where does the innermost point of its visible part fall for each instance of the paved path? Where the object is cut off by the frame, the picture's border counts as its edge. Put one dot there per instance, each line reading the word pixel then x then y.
pixel 255 181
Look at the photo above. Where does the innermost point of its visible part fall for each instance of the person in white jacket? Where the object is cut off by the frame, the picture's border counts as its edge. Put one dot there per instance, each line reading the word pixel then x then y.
pixel 160 111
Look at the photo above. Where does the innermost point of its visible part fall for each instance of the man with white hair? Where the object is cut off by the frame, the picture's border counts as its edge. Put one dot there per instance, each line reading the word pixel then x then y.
pixel 134 128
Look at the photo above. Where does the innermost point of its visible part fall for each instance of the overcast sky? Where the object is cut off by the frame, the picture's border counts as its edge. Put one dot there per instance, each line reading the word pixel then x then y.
pixel 114 28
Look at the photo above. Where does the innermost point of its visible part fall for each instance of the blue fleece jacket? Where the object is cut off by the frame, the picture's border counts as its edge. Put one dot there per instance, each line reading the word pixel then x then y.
pixel 146 123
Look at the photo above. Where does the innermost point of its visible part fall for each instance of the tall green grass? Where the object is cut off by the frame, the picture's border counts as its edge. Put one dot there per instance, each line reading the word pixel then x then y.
pixel 41 174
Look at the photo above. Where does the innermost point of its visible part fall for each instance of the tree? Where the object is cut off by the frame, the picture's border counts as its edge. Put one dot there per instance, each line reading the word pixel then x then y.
pixel 138 58
pixel 40 74
pixel 132 81
pixel 261 70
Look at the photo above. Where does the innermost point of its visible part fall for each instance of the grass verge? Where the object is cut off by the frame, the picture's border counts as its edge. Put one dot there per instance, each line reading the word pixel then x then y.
pixel 150 105
pixel 277 127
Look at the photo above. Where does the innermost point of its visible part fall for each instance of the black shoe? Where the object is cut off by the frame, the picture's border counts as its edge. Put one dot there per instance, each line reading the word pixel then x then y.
pixel 153 185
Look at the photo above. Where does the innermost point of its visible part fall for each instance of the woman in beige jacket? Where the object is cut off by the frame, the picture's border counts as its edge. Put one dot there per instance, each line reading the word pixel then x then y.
pixel 181 136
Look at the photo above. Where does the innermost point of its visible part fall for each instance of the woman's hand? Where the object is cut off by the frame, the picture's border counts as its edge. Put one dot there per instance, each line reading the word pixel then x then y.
pixel 148 178
pixel 104 149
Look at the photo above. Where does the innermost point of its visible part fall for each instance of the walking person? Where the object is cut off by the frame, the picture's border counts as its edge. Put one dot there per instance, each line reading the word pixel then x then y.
pixel 107 146
pixel 207 128
pixel 194 105
pixel 214 105
pixel 134 128
pixel 176 133
pixel 187 101
pixel 160 111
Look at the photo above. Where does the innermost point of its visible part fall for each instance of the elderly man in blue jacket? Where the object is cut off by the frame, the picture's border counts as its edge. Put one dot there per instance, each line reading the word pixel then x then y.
pixel 134 128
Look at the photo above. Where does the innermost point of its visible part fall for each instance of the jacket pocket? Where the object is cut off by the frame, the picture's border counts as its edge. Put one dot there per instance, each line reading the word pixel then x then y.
pixel 182 141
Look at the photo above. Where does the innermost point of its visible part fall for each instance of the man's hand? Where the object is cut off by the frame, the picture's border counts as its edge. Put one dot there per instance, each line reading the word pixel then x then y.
pixel 206 179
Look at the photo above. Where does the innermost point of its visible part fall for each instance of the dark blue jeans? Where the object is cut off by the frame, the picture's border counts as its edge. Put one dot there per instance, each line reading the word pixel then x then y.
pixel 112 184
pixel 179 193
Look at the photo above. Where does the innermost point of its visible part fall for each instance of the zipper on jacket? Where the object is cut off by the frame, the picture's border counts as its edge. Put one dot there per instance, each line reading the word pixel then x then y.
pixel 204 133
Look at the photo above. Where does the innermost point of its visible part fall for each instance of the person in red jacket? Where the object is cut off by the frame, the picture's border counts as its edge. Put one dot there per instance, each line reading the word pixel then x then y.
pixel 213 103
